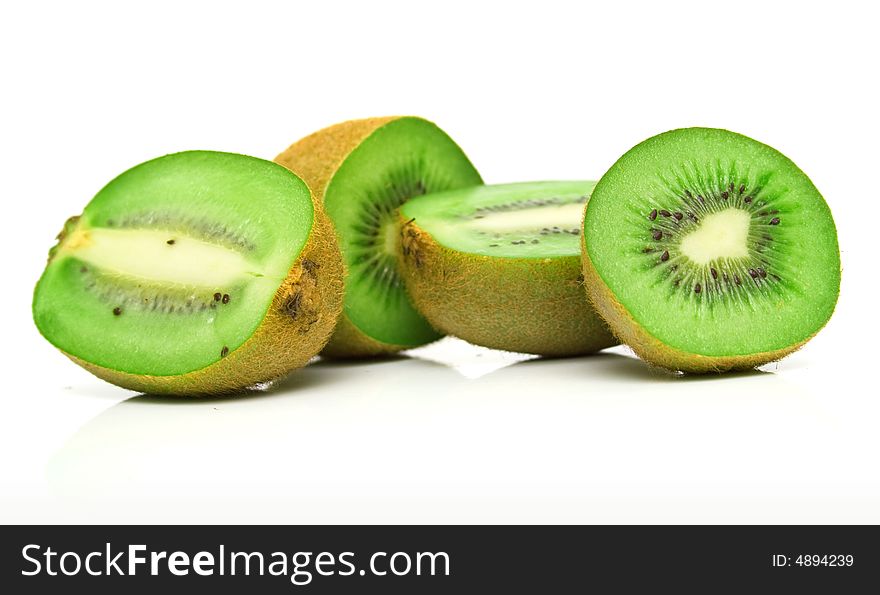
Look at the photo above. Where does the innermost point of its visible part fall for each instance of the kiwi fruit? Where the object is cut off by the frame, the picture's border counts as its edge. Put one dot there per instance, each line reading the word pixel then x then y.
pixel 707 251
pixel 500 266
pixel 362 171
pixel 196 273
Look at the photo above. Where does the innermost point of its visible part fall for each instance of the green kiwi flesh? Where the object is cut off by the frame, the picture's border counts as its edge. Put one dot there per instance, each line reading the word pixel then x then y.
pixel 706 250
pixel 524 220
pixel 404 158
pixel 174 265
pixel 500 266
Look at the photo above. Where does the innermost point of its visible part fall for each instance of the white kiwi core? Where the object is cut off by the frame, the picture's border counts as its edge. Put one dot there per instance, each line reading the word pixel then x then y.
pixel 723 234
pixel 153 255
pixel 566 215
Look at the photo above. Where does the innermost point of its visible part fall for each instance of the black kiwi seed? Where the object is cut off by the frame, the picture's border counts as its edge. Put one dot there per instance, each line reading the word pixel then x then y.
pixel 753 273
pixel 665 256
pixel 170 242
pixel 747 199
pixel 225 298
pixel 742 188
pixel 714 273
pixel 731 187
pixel 652 215
pixel 774 221
pixel 117 311
pixel 657 234
pixel 724 195
pixel 224 352
pixel 736 280
pixel 697 288
pixel 217 297
pixel 665 213
pixel 678 216
pixel 762 273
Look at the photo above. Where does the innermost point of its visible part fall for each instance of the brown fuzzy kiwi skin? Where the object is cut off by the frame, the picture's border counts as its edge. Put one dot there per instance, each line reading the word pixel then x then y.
pixel 652 350
pixel 528 305
pixel 298 324
pixel 315 159
pixel 349 342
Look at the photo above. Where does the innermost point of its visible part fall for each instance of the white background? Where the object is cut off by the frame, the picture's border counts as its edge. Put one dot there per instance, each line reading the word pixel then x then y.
pixel 454 433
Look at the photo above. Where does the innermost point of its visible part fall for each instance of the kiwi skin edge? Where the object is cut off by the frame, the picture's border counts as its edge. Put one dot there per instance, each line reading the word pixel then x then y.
pixel 652 350
pixel 315 159
pixel 528 305
pixel 280 344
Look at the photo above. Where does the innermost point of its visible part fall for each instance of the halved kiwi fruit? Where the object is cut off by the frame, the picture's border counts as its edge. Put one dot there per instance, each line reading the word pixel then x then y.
pixel 194 273
pixel 708 251
pixel 362 171
pixel 500 266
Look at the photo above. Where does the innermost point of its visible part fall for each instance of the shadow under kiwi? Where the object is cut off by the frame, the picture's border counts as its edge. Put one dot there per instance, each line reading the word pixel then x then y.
pixel 614 365
pixel 307 377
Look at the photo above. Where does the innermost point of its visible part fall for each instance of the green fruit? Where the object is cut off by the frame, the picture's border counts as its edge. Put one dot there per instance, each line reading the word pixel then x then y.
pixel 194 273
pixel 500 266
pixel 362 170
pixel 708 251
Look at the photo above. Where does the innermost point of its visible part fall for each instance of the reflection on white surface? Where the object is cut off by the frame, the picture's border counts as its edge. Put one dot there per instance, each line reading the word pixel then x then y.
pixel 601 438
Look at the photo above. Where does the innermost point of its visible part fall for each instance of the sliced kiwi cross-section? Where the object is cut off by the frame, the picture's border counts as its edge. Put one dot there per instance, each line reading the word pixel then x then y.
pixel 707 251
pixel 194 273
pixel 500 266
pixel 362 170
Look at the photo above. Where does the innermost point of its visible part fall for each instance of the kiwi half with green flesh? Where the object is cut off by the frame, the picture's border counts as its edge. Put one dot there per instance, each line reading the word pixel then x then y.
pixel 708 251
pixel 362 171
pixel 500 266
pixel 194 273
